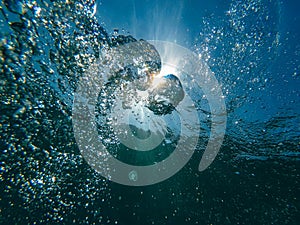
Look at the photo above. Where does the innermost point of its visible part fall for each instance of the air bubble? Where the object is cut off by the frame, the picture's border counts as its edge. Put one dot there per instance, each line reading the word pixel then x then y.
pixel 133 176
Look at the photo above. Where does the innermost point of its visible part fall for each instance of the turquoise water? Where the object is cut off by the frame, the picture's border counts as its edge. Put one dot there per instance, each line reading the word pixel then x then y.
pixel 251 46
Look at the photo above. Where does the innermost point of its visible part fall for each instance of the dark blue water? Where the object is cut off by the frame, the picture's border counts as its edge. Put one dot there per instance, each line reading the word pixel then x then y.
pixel 252 47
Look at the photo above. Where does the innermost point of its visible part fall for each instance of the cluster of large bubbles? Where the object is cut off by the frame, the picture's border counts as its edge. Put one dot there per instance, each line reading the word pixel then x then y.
pixel 45 47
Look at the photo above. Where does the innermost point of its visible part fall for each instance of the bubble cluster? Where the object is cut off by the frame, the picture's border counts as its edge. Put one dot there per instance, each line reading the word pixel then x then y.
pixel 239 46
pixel 44 48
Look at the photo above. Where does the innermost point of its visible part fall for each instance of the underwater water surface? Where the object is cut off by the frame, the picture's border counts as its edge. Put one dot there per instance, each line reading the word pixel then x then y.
pixel 251 46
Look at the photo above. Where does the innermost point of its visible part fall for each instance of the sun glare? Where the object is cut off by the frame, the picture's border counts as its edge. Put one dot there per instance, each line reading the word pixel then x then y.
pixel 167 69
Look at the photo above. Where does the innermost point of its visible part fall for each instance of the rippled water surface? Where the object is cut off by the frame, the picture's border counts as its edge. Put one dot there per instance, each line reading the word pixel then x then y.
pixel 252 47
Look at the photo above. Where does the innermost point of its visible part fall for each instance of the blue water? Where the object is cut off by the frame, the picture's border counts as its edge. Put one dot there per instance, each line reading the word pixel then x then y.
pixel 254 51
